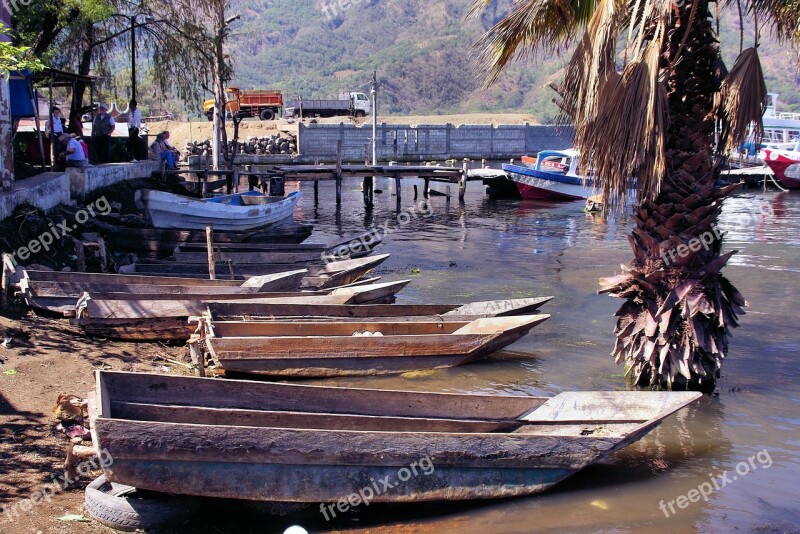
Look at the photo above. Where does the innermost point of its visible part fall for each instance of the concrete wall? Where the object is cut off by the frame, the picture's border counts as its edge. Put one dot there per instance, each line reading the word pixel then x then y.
pixel 45 191
pixel 317 142
pixel 87 179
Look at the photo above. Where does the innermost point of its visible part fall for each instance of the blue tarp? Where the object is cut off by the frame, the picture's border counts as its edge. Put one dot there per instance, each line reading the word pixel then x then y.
pixel 20 84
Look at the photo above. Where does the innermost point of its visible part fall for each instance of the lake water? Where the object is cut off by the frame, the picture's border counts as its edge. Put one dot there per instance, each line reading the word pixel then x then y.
pixel 490 249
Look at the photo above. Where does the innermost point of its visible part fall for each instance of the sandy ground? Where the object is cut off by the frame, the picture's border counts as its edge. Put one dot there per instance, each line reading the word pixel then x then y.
pixel 48 357
pixel 181 132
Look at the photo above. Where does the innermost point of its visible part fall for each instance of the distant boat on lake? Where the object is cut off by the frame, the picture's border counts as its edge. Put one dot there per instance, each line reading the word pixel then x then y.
pixel 552 175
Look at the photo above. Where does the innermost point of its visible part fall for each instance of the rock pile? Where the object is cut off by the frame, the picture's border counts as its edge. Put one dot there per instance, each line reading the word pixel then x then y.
pixel 283 143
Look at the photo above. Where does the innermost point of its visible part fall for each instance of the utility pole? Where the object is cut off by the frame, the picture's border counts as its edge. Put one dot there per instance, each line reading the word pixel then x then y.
pixel 133 57
pixel 374 118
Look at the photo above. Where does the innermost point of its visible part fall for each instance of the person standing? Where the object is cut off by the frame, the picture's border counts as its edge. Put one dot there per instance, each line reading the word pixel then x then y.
pixel 134 124
pixel 54 128
pixel 103 126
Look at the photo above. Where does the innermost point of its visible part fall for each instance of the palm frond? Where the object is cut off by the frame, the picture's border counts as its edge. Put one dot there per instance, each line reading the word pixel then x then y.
pixel 625 142
pixel 741 101
pixel 592 63
pixel 782 16
pixel 532 25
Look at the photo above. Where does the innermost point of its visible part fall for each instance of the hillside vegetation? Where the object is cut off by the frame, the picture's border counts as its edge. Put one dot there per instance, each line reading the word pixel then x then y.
pixel 424 54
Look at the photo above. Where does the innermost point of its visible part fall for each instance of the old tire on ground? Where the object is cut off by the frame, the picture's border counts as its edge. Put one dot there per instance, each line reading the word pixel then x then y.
pixel 128 509
pixel 267 115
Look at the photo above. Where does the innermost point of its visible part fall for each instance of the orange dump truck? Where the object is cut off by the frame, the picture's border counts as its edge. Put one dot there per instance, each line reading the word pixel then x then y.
pixel 264 104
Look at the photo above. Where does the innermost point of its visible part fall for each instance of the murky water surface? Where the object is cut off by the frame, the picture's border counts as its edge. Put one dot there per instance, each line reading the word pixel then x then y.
pixel 486 249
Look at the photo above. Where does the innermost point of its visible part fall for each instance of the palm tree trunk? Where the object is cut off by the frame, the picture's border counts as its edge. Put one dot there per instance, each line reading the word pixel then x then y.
pixel 672 330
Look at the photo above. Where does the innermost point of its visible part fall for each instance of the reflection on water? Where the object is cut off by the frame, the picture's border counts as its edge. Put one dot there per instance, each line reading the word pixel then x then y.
pixel 488 249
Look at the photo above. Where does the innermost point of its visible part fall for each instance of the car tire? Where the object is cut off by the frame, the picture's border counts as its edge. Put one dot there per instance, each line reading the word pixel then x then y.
pixel 267 115
pixel 127 509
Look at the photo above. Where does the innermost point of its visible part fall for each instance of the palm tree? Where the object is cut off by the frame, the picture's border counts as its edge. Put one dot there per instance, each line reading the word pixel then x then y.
pixel 654 108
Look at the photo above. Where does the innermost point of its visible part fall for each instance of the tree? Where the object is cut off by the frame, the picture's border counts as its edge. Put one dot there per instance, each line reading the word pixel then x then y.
pixel 652 124
pixel 206 25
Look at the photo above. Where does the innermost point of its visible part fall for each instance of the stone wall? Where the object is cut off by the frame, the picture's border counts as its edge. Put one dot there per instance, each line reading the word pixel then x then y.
pixel 45 191
pixel 87 179
pixel 317 142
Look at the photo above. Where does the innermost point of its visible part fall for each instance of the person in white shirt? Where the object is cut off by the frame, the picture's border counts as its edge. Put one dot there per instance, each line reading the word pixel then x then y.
pixel 74 154
pixel 134 124
pixel 54 128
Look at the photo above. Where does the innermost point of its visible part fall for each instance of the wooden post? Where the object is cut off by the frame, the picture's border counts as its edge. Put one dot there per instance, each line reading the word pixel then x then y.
pixel 210 249
pixel 426 189
pixel 198 360
pixel 339 171
pixel 236 179
pixel 101 245
pixel 462 185
pixel 397 186
pixel 415 191
pixel 316 192
pixel 80 254
pixel 4 296
pixel 230 269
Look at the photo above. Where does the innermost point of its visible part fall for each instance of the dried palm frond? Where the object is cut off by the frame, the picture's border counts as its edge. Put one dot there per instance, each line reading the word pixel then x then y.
pixel 592 63
pixel 625 143
pixel 741 101
pixel 531 26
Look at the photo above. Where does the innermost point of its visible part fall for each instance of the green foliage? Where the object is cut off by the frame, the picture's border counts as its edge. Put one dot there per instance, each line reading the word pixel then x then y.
pixel 14 57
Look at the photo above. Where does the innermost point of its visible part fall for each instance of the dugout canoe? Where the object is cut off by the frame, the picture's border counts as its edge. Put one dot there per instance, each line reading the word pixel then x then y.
pixel 149 329
pixel 320 275
pixel 262 441
pixel 61 297
pixel 312 349
pixel 355 246
pixel 168 320
pixel 161 242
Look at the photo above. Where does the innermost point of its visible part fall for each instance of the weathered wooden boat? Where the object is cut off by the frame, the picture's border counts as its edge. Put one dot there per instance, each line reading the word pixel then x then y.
pixel 168 320
pixel 353 347
pixel 148 329
pixel 61 297
pixel 354 246
pixel 263 441
pixel 320 276
pixel 227 212
pixel 162 241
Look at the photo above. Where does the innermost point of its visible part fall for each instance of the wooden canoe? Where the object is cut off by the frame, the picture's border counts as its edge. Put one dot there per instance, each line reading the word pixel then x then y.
pixel 61 298
pixel 356 348
pixel 320 275
pixel 263 441
pixel 355 246
pixel 162 241
pixel 158 329
pixel 168 210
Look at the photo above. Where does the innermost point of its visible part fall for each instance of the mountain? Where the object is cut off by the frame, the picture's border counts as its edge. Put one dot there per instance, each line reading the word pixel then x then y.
pixel 424 53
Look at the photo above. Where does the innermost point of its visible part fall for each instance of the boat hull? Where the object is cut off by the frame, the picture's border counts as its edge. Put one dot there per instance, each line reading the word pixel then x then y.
pixel 280 442
pixel 785 165
pixel 168 210
pixel 533 184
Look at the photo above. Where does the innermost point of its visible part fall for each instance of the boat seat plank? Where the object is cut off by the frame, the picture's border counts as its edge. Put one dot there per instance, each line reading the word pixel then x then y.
pixel 289 419
pixel 255 395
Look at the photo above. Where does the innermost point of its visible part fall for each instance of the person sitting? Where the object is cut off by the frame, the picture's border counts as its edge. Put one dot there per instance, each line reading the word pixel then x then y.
pixel 73 155
pixel 158 151
pixel 168 145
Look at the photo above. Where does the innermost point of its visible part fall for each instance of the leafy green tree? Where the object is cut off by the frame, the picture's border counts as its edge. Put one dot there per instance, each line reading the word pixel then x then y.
pixel 648 94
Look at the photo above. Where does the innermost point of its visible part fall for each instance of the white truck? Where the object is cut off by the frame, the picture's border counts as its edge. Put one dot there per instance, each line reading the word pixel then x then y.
pixel 347 105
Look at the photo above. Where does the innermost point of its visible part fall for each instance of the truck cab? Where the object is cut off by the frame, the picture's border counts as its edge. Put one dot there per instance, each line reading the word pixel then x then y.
pixel 362 106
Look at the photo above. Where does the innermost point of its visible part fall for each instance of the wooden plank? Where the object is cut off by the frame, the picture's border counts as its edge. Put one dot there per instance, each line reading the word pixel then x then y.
pixel 255 395
pixel 601 406
pixel 291 419
pixel 207 443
